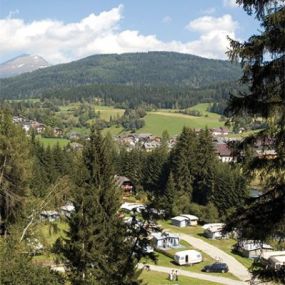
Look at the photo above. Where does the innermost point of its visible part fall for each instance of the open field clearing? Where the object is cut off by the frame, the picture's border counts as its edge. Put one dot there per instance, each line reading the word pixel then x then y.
pixel 53 141
pixel 157 122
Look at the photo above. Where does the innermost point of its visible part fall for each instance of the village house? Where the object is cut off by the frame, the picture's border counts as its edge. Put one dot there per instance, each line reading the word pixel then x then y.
pixel 149 146
pixel 184 221
pixel 125 184
pixel 17 119
pixel 38 127
pixel 224 153
pixel 165 240
pixel 252 249
pixel 58 132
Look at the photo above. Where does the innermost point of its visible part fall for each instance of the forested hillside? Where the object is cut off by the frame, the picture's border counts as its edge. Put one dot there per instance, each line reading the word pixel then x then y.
pixel 170 97
pixel 136 69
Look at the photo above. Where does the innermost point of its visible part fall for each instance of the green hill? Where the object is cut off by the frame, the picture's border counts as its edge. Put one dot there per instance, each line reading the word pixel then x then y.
pixel 133 69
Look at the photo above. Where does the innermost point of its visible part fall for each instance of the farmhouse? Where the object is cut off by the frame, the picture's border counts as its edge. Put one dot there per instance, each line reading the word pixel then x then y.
pixel 184 221
pixel 58 132
pixel 224 153
pixel 125 184
pixel 252 249
pixel 165 240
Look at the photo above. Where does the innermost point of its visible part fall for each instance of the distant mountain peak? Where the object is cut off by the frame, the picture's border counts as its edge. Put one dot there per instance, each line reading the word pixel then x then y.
pixel 22 64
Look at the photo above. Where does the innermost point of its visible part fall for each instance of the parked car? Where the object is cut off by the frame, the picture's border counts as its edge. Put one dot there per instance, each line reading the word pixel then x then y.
pixel 216 267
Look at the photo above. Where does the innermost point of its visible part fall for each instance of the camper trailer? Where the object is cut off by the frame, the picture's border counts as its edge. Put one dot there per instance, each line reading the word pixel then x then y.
pixel 188 257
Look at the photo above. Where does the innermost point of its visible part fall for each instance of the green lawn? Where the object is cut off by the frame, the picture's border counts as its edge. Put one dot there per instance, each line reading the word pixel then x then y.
pixel 107 111
pixel 53 141
pixel 157 122
pixel 157 278
pixel 197 231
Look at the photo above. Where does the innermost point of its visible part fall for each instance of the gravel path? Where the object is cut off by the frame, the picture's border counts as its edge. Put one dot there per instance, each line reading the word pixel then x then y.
pixel 235 267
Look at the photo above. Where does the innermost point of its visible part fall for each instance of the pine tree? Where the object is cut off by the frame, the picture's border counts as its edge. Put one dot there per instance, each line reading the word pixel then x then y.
pixel 130 164
pixel 97 251
pixel 206 162
pixel 153 171
pixel 14 170
pixel 183 165
pixel 262 57
pixel 169 197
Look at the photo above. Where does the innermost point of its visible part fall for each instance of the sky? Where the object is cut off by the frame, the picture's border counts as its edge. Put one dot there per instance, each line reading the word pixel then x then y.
pixel 65 30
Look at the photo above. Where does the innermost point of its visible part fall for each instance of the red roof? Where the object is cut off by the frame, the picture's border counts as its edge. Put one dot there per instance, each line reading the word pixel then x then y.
pixel 223 149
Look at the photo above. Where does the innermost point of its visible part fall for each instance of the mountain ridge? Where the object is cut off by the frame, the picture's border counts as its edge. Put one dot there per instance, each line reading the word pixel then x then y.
pixel 145 69
pixel 22 64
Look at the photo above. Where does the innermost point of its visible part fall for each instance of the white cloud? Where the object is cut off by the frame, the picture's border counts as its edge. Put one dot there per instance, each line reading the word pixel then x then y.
pixel 214 31
pixel 230 3
pixel 166 20
pixel 59 42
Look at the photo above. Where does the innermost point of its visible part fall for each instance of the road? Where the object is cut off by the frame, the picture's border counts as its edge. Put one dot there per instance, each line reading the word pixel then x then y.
pixel 235 267
pixel 201 276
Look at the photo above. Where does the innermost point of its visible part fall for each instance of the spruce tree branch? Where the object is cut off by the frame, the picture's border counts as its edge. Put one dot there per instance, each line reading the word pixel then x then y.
pixel 40 208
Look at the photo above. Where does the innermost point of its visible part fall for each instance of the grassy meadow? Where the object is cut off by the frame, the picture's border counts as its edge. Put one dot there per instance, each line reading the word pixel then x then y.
pixel 157 278
pixel 172 121
pixel 53 141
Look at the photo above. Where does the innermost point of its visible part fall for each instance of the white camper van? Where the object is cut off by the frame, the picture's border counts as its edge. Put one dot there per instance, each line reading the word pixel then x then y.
pixel 188 257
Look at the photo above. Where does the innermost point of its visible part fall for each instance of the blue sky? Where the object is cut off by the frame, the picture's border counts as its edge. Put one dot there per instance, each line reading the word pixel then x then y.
pixel 65 30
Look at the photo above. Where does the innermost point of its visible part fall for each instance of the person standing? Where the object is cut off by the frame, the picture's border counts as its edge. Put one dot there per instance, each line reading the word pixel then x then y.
pixel 176 275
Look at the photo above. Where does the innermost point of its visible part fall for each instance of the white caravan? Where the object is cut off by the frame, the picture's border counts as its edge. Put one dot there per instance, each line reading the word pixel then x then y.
pixel 188 257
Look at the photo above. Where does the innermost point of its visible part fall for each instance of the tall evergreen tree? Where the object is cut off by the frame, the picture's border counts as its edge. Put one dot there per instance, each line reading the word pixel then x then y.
pixel 183 166
pixel 14 170
pixel 96 249
pixel 169 197
pixel 262 57
pixel 154 171
pixel 131 163
pixel 203 184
